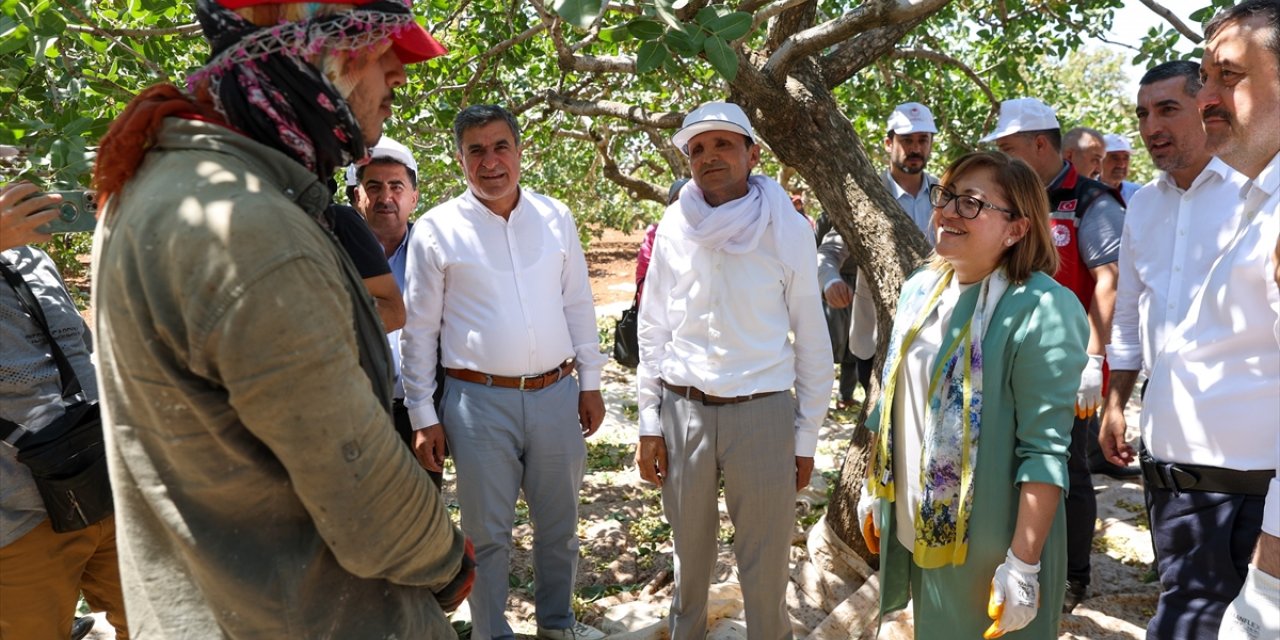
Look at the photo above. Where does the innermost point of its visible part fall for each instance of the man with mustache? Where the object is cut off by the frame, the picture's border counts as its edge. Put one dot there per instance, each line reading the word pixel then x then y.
pixel 497 279
pixel 1086 220
pixel 732 278
pixel 1115 166
pixel 1208 424
pixel 909 143
pixel 1084 149
pixel 1174 230
pixel 386 195
pixel 260 490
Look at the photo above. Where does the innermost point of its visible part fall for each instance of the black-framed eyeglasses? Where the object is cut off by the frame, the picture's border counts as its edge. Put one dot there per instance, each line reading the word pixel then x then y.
pixel 967 207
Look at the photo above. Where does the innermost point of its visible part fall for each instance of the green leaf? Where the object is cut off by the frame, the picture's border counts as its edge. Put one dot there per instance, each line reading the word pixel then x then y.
pixel 615 34
pixel 650 56
pixel 686 40
pixel 722 57
pixel 645 29
pixel 1202 15
pixel 732 26
pixel 579 13
pixel 663 7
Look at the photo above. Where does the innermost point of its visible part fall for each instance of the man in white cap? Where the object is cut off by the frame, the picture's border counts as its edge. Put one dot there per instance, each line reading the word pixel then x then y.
pixel 732 277
pixel 1085 149
pixel 386 195
pixel 1115 166
pixel 909 143
pixel 1086 219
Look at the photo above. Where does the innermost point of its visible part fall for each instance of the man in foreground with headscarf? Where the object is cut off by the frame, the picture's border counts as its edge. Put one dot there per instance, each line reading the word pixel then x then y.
pixel 260 488
pixel 733 273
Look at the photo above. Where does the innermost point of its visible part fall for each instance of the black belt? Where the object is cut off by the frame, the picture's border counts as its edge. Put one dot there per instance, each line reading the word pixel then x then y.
pixel 1178 477
pixel 696 395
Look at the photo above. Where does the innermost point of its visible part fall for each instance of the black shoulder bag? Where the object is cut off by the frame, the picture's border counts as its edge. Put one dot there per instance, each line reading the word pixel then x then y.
pixel 67 457
pixel 626 345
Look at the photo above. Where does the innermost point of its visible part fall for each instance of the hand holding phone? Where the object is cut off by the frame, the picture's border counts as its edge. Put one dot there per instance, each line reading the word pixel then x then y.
pixel 77 212
pixel 23 209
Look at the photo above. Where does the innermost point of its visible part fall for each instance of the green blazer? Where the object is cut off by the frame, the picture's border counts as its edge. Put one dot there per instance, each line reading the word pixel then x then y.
pixel 1033 354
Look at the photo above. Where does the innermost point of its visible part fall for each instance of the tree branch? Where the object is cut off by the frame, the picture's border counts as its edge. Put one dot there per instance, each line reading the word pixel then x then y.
pixel 155 69
pixel 123 32
pixel 867 16
pixel 593 108
pixel 850 57
pixel 942 58
pixel 1172 19
pixel 568 60
pixel 638 188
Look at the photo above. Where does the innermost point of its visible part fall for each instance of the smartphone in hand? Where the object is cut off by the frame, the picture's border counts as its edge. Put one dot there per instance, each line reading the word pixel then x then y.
pixel 76 213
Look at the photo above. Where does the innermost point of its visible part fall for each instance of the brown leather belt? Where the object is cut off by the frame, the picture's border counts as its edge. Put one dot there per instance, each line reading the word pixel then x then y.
pixel 696 395
pixel 523 383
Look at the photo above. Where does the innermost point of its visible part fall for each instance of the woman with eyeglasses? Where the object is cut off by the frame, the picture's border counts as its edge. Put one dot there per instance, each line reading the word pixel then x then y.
pixel 964 495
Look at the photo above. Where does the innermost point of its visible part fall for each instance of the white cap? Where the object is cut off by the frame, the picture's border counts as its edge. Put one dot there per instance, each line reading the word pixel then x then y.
pixel 1023 114
pixel 1117 142
pixel 712 116
pixel 911 117
pixel 386 148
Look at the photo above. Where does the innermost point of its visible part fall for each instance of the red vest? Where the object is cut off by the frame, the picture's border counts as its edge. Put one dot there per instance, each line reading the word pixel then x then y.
pixel 1069 200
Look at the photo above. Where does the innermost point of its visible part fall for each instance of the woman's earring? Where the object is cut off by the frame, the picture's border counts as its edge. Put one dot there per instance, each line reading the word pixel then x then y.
pixel 1008 241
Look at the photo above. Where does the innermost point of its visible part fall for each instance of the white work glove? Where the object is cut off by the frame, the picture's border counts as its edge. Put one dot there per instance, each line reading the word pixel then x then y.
pixel 869 519
pixel 1255 613
pixel 1089 397
pixel 1015 596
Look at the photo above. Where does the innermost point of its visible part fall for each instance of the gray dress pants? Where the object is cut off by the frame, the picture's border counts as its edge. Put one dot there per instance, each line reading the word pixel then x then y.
pixel 752 445
pixel 504 441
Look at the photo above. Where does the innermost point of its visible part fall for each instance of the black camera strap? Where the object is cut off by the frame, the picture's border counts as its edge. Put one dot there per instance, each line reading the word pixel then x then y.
pixel 70 382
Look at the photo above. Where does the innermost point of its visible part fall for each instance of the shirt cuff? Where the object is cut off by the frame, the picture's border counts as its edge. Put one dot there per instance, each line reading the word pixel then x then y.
pixel 806 443
pixel 423 416
pixel 1124 357
pixel 650 423
pixel 589 379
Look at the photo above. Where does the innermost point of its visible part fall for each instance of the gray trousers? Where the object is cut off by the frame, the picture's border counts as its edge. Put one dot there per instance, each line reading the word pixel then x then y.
pixel 753 445
pixel 503 441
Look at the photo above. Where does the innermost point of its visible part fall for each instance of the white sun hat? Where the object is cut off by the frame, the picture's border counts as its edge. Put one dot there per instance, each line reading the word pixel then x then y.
pixel 1023 114
pixel 712 116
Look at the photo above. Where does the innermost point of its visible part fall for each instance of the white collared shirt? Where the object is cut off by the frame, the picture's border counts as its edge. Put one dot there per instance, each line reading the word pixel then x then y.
pixel 917 207
pixel 504 297
pixel 1171 238
pixel 1214 394
pixel 724 322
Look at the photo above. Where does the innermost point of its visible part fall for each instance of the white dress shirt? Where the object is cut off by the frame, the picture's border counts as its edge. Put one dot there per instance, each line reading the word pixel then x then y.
pixel 1214 394
pixel 1171 238
pixel 503 297
pixel 724 321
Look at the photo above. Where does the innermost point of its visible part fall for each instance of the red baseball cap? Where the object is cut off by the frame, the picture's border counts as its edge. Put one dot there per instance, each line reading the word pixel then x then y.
pixel 411 44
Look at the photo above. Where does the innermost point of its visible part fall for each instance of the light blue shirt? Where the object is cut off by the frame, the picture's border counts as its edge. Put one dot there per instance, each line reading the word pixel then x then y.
pixel 398 261
pixel 917 206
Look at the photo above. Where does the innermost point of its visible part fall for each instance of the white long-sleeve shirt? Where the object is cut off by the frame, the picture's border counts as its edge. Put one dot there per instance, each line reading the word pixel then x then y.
pixel 1215 385
pixel 722 323
pixel 1171 238
pixel 503 297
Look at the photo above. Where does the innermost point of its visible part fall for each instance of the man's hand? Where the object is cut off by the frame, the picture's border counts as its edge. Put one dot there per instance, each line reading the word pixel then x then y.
pixel 590 411
pixel 838 295
pixel 1111 437
pixel 19 216
pixel 1089 397
pixel 651 457
pixel 804 469
pixel 429 446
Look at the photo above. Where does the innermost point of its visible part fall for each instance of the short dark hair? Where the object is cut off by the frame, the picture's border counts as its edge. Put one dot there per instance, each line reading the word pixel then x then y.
pixel 1268 10
pixel 1175 69
pixel 413 175
pixel 1054 136
pixel 1073 137
pixel 478 115
pixel 351 194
